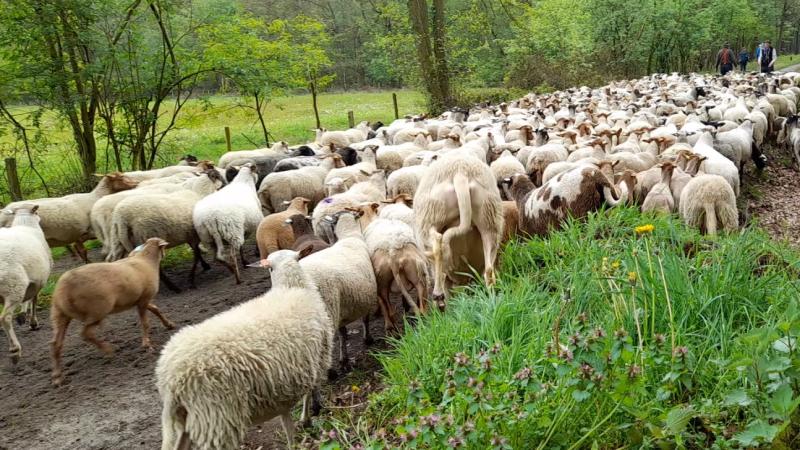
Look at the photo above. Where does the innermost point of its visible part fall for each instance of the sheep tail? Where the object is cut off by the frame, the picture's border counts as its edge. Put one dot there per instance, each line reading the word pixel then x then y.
pixel 394 265
pixel 461 186
pixel 711 218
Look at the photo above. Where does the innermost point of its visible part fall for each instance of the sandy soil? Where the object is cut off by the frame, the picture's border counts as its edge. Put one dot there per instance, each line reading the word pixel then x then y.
pixel 112 402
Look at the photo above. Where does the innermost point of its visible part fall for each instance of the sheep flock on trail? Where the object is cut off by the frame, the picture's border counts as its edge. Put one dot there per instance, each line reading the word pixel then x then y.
pixel 341 222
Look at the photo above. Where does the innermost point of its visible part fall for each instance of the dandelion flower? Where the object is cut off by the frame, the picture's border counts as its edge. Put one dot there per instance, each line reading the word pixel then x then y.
pixel 644 229
pixel 632 277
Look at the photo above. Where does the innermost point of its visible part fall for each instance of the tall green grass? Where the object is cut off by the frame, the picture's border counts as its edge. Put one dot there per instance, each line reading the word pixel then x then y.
pixel 665 338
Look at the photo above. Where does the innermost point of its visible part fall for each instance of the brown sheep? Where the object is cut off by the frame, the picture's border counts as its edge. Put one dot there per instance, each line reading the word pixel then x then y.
pixel 272 234
pixel 304 236
pixel 90 293
pixel 511 223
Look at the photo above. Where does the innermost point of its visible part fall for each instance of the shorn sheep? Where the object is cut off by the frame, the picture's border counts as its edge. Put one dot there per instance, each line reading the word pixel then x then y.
pixel 65 220
pixel 456 195
pixel 246 365
pixel 90 293
pixel 708 203
pixel 25 265
pixel 225 218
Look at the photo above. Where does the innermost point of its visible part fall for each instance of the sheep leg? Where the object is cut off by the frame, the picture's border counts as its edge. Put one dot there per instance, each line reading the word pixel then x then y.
pixel 389 322
pixel 89 336
pixel 489 241
pixel 167 282
pixel 33 320
pixel 234 266
pixel 142 309
pixel 367 336
pixel 82 251
pixel 288 427
pixel 14 349
pixel 60 324
pixel 168 324
pixel 241 256
pixel 198 256
pixel 344 361
pixel 414 277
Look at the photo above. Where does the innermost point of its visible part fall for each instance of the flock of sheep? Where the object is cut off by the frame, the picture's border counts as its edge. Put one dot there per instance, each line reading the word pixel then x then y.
pixel 414 205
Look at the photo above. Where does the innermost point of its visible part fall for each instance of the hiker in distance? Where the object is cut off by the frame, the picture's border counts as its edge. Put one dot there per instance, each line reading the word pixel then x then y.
pixel 767 57
pixel 744 58
pixel 725 59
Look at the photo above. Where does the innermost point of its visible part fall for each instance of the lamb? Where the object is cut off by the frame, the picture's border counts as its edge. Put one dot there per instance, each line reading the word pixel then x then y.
pixel 576 192
pixel 228 217
pixel 708 203
pixel 660 198
pixel 398 208
pixel 90 293
pixel 304 237
pixel 278 148
pixel 66 220
pixel 247 365
pixel 167 215
pixel 343 273
pixel 457 190
pixel 272 234
pixel 396 260
pixel 25 265
pixel 307 182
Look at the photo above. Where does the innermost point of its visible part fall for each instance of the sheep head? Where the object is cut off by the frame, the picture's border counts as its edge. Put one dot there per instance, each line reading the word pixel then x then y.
pixel 117 181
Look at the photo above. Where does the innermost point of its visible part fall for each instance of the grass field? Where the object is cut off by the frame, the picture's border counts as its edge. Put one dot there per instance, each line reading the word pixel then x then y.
pixel 785 61
pixel 602 335
pixel 201 131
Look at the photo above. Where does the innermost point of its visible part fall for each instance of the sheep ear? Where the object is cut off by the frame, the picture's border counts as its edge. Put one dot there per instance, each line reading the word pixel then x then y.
pixel 162 243
pixel 614 164
pixel 374 206
pixel 305 252
pixel 34 209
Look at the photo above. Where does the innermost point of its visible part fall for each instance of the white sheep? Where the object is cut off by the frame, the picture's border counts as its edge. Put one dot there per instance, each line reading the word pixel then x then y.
pixel 278 148
pixel 716 163
pixel 660 197
pixel 66 220
pixel 708 203
pixel 372 190
pixel 398 207
pixel 227 217
pixel 307 182
pixel 246 365
pixel 25 265
pixel 343 273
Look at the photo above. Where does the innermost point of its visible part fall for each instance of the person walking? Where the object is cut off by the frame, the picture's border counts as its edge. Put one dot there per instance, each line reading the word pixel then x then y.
pixel 744 58
pixel 767 57
pixel 725 59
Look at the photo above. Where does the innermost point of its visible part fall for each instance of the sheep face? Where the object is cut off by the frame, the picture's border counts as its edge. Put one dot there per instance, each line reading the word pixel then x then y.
pixel 117 182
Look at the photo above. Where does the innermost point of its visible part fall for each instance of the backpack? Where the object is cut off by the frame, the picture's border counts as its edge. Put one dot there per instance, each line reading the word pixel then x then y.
pixel 726 56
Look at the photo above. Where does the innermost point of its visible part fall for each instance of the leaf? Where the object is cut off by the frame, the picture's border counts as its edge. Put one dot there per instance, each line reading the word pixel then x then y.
pixel 580 396
pixel 738 397
pixel 678 418
pixel 781 400
pixel 785 344
pixel 756 432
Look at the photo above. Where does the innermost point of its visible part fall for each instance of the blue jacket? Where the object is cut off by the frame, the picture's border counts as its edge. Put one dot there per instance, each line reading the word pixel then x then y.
pixel 744 57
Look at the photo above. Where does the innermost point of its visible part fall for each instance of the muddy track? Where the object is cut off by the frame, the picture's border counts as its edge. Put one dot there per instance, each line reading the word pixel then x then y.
pixel 112 402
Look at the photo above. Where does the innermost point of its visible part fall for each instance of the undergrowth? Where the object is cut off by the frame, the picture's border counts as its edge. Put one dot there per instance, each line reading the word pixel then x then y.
pixel 603 335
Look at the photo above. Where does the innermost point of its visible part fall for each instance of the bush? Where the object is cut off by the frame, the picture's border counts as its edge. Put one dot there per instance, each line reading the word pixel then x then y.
pixel 469 97
pixel 606 334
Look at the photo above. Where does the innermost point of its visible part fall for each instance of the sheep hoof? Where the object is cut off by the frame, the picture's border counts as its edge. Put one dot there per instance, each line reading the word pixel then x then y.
pixel 35 325
pixel 58 380
pixel 15 357
pixel 169 325
pixel 107 349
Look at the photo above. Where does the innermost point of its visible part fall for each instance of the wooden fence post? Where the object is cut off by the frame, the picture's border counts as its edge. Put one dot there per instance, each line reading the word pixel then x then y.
pixel 228 137
pixel 394 100
pixel 351 119
pixel 13 179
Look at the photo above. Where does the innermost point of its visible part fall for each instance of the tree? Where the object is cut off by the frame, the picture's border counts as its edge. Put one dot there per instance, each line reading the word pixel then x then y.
pixel 310 42
pixel 431 55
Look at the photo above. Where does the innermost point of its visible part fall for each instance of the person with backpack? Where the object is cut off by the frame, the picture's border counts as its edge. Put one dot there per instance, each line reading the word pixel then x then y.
pixel 744 58
pixel 767 57
pixel 725 59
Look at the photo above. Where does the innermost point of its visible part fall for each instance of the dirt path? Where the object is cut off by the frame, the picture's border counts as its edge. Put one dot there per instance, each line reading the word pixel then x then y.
pixel 112 403
pixel 773 198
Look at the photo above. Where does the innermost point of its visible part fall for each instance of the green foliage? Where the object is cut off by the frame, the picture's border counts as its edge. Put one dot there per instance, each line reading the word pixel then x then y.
pixel 601 336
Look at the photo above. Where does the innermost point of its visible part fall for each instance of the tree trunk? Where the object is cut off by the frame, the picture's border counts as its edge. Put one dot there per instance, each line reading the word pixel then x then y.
pixel 260 102
pixel 431 53
pixel 313 88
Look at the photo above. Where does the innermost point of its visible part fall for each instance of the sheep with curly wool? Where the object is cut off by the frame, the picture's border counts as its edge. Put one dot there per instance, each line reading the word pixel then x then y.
pixel 166 215
pixel 25 265
pixel 66 220
pixel 273 234
pixel 708 203
pixel 227 217
pixel 247 365
pixel 345 279
pixel 307 182
pixel 279 148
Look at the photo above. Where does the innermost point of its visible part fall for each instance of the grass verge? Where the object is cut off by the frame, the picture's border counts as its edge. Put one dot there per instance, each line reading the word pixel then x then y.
pixel 600 337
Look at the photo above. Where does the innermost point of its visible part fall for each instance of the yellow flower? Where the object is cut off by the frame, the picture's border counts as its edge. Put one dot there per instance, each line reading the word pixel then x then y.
pixel 632 277
pixel 615 265
pixel 644 229
pixel 355 389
